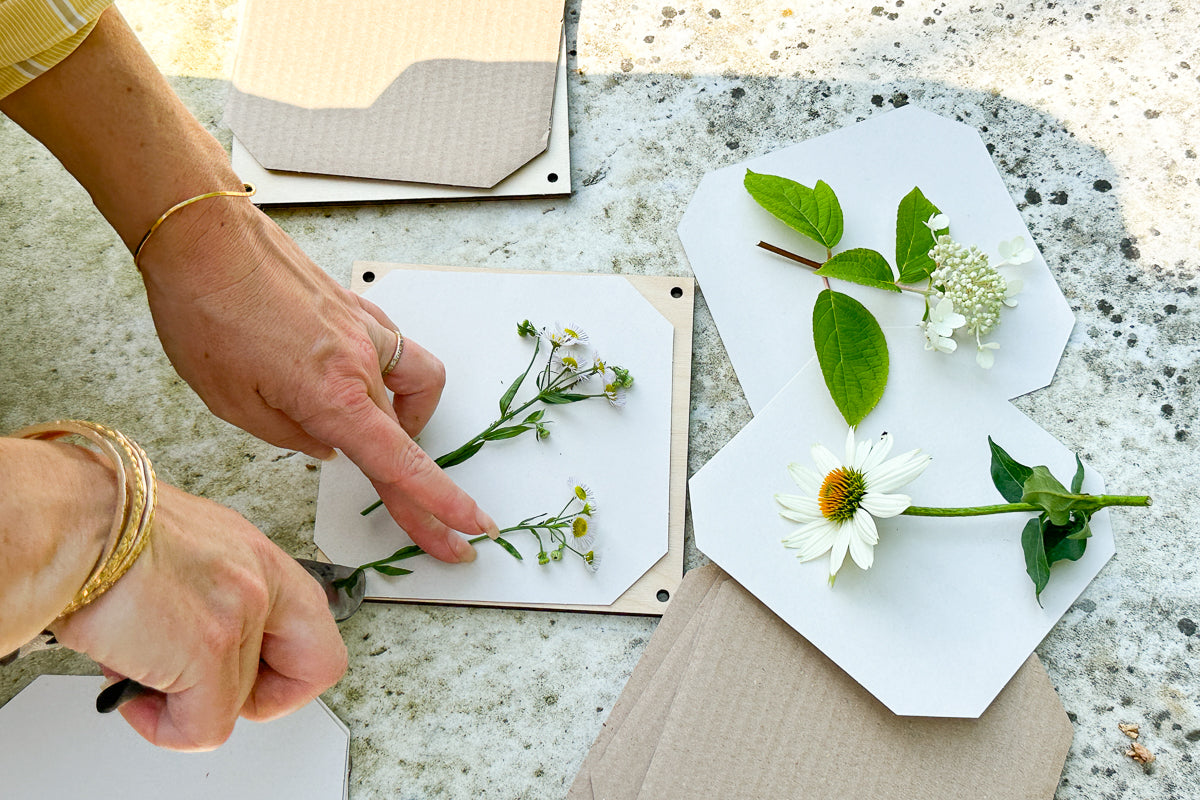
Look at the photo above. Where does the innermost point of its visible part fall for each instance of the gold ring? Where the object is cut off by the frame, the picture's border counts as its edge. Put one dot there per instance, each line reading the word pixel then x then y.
pixel 396 355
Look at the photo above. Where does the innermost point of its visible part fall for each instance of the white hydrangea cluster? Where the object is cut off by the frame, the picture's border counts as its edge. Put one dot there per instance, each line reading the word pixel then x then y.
pixel 964 277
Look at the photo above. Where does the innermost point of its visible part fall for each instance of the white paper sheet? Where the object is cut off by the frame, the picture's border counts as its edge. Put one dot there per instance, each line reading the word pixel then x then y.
pixel 469 320
pixel 548 174
pixel 762 303
pixel 53 744
pixel 947 613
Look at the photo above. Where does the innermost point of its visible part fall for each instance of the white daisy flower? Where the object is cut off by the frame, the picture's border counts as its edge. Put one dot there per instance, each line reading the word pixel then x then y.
pixel 841 500
pixel 615 394
pixel 584 494
pixel 582 536
pixel 592 559
pixel 565 335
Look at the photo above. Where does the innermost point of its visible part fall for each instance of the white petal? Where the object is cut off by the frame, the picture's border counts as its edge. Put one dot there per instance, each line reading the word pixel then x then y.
pixel 895 473
pixel 885 505
pixel 825 460
pixel 851 447
pixel 801 509
pixel 879 453
pixel 943 345
pixel 837 553
pixel 862 550
pixel 865 527
pixel 813 540
pixel 808 481
pixel 984 356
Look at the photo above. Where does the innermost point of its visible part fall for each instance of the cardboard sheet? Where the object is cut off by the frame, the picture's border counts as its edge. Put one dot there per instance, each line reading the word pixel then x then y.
pixel 758 712
pixel 547 175
pixel 762 303
pixel 56 745
pixel 947 614
pixel 454 92
pixel 626 455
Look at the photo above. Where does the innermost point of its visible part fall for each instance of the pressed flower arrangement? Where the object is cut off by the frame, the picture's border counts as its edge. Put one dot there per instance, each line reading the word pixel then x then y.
pixel 964 292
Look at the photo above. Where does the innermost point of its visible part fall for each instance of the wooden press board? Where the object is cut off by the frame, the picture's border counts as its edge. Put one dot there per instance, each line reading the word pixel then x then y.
pixel 673 298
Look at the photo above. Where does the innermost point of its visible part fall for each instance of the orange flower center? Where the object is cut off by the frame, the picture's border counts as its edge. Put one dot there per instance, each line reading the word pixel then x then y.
pixel 841 493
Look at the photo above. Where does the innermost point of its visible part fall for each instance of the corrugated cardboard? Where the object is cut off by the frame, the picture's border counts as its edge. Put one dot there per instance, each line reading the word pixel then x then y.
pixel 447 91
pixel 760 713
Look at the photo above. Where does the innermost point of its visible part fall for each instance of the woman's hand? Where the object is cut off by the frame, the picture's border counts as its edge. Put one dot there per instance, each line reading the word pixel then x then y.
pixel 216 617
pixel 272 344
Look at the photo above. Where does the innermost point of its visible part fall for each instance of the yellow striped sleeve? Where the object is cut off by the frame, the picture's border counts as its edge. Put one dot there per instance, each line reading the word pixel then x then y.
pixel 37 34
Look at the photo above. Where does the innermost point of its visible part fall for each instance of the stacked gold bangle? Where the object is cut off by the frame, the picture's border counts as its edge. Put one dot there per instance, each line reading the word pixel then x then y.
pixel 137 496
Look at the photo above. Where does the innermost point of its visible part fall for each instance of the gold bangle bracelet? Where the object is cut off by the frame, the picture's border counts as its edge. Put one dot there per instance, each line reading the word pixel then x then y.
pixel 248 191
pixel 137 496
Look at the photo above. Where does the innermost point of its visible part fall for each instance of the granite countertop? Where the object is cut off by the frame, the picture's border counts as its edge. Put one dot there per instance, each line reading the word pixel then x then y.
pixel 1089 111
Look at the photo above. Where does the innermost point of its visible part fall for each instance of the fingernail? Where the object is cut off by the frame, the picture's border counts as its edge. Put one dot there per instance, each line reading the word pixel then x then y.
pixel 487 524
pixel 466 553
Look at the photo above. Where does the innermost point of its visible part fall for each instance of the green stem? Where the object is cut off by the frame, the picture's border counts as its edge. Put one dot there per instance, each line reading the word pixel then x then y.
pixel 1095 502
pixel 815 265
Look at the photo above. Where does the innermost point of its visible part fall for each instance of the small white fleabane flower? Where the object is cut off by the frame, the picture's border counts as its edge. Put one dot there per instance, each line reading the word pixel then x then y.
pixel 937 222
pixel 841 500
pixel 584 494
pixel 615 395
pixel 592 559
pixel 566 335
pixel 1014 252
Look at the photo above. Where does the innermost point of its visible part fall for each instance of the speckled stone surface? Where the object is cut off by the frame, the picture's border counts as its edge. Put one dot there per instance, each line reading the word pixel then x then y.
pixel 1089 109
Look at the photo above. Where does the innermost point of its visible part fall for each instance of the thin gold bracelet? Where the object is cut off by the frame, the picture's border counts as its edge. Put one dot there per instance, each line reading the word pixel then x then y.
pixel 249 191
pixel 137 493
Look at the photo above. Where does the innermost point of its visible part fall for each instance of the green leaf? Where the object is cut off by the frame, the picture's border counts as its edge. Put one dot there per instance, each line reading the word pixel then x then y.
pixel 862 266
pixel 505 433
pixel 460 455
pixel 536 416
pixel 1043 490
pixel 913 237
pixel 561 398
pixel 404 552
pixel 507 545
pixel 815 212
pixel 507 399
pixel 852 352
pixel 1007 474
pixel 1036 565
pixel 1063 542
pixel 1077 481
pixel 386 570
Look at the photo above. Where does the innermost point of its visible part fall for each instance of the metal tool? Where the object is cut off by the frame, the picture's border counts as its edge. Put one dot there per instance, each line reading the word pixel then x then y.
pixel 343 602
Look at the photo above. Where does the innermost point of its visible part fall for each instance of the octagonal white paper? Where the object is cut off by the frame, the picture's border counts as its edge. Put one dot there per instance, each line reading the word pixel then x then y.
pixel 762 303
pixel 56 745
pixel 947 613
pixel 469 320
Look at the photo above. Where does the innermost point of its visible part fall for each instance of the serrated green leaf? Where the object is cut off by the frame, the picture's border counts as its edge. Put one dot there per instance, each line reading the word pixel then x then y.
pixel 814 212
pixel 861 266
pixel 1036 565
pixel 386 570
pixel 852 352
pixel 1008 475
pixel 1044 490
pixel 913 237
pixel 506 433
pixel 1077 481
pixel 507 545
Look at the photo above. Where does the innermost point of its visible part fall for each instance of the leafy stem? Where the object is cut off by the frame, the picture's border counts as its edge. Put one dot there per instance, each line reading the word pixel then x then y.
pixel 816 265
pixel 1088 503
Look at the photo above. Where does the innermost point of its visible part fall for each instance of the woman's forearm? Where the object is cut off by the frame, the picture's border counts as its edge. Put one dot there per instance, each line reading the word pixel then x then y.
pixel 113 121
pixel 57 503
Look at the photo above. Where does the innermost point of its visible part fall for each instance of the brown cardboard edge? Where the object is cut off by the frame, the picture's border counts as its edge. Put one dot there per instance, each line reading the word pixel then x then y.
pixel 642 597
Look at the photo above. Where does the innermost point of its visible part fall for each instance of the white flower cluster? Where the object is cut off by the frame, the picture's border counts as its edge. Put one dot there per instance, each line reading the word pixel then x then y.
pixel 968 292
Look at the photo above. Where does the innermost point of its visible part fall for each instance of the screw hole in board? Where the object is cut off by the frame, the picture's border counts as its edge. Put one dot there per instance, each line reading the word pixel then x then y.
pixel 663 595
pixel 552 177
pixel 677 292
pixel 368 276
